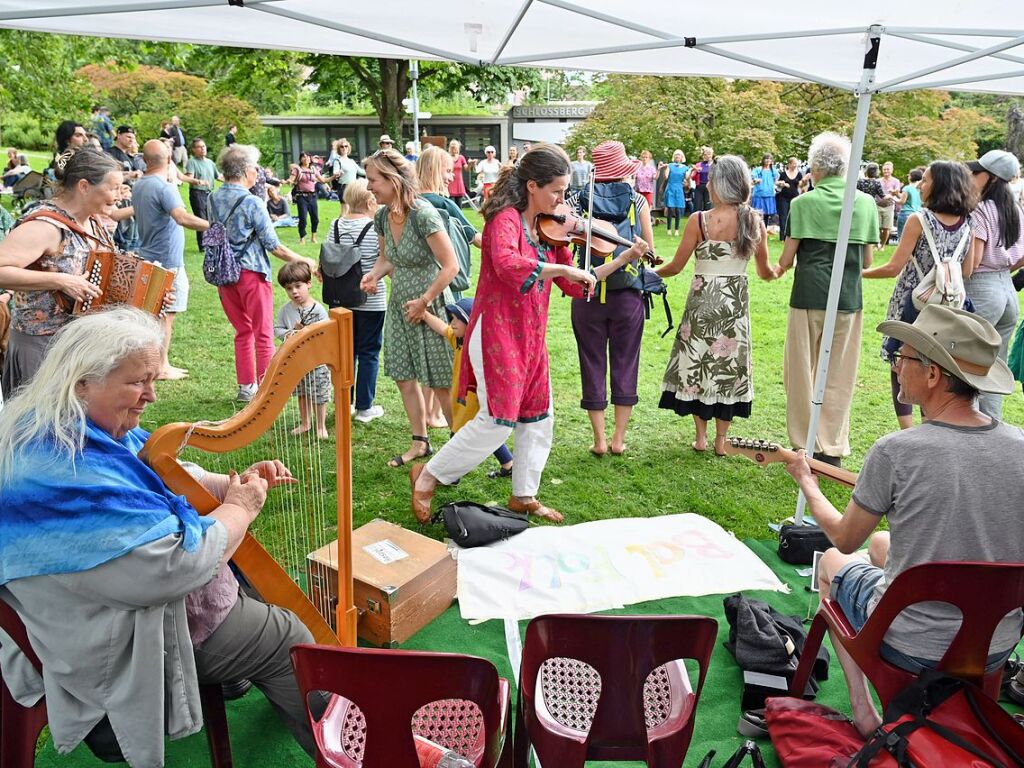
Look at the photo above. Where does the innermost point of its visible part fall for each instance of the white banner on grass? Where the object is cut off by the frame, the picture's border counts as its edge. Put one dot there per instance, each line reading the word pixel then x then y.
pixel 606 564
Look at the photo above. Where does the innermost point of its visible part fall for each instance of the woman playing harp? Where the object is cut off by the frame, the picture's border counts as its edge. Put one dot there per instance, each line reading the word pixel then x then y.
pixel 91 539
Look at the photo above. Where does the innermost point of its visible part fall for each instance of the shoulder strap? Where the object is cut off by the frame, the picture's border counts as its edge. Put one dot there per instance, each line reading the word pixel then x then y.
pixel 337 231
pixel 927 231
pixel 703 225
pixel 359 240
pixel 931 240
pixel 70 224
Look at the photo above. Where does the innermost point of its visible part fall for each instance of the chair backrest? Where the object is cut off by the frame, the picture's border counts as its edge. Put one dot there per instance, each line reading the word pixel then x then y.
pixel 983 592
pixel 390 686
pixel 624 650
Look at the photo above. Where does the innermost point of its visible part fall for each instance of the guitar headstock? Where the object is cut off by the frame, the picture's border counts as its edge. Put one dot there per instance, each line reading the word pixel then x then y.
pixel 759 451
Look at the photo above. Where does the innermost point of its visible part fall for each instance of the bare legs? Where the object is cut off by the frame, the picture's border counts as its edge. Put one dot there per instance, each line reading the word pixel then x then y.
pixel 597 425
pixel 415 410
pixel 721 431
pixel 434 410
pixel 169 371
pixel 306 405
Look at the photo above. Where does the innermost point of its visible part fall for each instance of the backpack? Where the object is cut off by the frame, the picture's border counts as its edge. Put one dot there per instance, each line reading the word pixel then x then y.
pixel 462 253
pixel 944 283
pixel 220 264
pixel 613 202
pixel 654 285
pixel 342 270
pixel 939 720
pixel 473 525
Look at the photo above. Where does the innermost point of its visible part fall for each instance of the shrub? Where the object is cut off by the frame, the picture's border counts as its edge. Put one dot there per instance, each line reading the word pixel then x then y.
pixel 22 130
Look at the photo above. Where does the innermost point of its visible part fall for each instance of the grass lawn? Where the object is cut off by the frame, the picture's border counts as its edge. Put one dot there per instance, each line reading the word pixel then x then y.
pixel 659 474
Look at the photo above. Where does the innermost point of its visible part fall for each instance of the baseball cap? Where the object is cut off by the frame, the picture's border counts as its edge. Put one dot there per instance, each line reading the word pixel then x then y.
pixel 998 162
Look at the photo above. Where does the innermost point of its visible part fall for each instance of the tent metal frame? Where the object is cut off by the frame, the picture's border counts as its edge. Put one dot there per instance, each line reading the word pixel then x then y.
pixel 864 88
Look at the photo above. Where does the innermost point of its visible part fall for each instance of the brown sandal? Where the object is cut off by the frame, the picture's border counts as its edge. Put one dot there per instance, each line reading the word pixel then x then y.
pixel 420 499
pixel 536 509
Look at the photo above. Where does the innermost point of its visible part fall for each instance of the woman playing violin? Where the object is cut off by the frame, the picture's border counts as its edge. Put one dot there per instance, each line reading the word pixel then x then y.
pixel 610 326
pixel 507 354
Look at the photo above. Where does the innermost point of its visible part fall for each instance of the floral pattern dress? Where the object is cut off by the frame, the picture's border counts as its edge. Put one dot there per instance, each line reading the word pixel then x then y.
pixel 709 368
pixel 411 350
pixel 946 241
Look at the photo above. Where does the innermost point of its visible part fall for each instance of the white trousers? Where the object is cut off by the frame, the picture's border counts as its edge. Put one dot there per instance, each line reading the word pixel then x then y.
pixel 480 437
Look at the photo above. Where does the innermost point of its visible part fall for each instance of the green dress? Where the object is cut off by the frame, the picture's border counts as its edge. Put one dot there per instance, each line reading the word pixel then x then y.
pixel 413 350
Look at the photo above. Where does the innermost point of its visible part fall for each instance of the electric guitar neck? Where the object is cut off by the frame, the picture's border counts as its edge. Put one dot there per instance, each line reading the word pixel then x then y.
pixel 764 452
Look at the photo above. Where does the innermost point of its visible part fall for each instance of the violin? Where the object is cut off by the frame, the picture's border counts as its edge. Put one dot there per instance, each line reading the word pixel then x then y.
pixel 564 227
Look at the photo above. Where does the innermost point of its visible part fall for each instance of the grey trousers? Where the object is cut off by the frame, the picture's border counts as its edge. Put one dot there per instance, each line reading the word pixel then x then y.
pixel 251 643
pixel 995 299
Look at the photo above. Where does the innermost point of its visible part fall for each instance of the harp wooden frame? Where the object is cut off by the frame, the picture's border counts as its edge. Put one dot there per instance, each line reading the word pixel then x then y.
pixel 326 343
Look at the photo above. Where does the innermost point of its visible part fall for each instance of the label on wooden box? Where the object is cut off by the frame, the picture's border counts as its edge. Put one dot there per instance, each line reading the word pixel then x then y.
pixel 402 581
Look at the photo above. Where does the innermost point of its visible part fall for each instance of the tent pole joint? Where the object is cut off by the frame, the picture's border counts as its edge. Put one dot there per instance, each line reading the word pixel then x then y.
pixel 690 42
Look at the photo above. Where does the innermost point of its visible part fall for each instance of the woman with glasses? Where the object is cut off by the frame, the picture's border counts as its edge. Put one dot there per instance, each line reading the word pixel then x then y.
pixel 488 169
pixel 304 179
pixel 948 198
pixel 416 252
pixel 504 344
pixel 343 169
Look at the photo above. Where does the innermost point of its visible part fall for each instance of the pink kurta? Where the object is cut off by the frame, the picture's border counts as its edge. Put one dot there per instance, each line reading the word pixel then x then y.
pixel 457 186
pixel 510 310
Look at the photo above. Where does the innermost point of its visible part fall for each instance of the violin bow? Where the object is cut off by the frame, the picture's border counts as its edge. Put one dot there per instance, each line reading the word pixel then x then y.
pixel 591 179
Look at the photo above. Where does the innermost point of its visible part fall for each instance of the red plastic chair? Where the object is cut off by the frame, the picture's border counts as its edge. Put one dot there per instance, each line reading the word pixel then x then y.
pixel 1000 587
pixel 610 688
pixel 382 697
pixel 20 726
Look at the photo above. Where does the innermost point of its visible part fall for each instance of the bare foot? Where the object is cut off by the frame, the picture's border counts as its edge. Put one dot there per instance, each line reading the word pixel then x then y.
pixel 700 445
pixel 437 423
pixel 866 721
pixel 301 429
pixel 323 434
pixel 618 448
pixel 418 451
pixel 172 373
pixel 314 238
pixel 302 241
pixel 599 449
pixel 720 446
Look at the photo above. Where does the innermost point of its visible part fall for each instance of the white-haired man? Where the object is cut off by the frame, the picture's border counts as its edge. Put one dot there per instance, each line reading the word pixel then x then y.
pixel 934 485
pixel 812 232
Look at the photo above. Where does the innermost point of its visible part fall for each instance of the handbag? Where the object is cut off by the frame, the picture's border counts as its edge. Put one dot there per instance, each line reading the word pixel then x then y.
pixel 473 525
pixel 799 542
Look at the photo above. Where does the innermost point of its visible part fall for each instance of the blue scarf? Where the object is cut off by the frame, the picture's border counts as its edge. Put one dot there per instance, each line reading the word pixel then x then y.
pixel 59 517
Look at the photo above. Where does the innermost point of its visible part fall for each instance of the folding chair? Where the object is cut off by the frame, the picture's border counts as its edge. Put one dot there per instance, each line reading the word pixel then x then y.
pixel 610 688
pixel 960 585
pixel 381 698
pixel 20 726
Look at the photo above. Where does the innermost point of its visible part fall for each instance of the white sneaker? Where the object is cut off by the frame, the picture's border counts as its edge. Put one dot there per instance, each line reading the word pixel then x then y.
pixel 371 413
pixel 246 392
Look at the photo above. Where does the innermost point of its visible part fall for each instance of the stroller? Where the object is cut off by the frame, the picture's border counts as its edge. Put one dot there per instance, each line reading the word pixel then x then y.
pixel 28 189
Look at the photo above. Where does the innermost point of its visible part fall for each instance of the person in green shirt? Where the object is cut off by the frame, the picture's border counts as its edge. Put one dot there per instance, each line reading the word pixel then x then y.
pixel 812 232
pixel 200 173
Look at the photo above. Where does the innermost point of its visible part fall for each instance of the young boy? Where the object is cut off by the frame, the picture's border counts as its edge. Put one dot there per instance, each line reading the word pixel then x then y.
pixel 315 388
pixel 458 320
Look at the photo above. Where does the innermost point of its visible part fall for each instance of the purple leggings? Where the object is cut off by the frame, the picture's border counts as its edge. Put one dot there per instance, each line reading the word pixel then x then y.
pixel 610 329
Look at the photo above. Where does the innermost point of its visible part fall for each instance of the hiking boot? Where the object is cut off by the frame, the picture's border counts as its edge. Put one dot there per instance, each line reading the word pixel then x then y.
pixel 246 392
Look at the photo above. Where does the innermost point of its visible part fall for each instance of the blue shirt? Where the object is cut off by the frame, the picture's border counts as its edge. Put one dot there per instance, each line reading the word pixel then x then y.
pixel 161 238
pixel 764 181
pixel 250 229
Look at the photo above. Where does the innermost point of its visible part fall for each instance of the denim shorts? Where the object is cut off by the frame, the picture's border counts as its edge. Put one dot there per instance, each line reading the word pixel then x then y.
pixel 854 586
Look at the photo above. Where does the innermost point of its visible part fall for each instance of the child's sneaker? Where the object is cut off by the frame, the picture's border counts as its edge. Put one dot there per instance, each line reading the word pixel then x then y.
pixel 371 413
pixel 246 392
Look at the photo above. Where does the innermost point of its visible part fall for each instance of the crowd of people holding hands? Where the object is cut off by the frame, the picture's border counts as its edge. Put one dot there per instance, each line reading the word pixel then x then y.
pixel 78 387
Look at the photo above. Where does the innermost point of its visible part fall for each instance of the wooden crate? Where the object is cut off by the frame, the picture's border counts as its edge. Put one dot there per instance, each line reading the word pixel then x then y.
pixel 402 581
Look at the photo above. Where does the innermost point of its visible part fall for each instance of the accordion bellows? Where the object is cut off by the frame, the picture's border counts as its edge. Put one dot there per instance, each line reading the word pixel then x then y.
pixel 128 279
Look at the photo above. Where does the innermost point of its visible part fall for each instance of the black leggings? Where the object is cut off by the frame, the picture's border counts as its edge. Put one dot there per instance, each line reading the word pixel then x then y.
pixel 673 213
pixel 307 204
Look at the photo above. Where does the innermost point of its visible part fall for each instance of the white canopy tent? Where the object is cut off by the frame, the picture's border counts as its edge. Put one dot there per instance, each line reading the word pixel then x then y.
pixel 867 47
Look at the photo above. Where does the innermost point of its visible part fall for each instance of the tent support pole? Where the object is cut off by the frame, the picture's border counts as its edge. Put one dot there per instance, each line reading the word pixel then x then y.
pixel 839 257
pixel 414 73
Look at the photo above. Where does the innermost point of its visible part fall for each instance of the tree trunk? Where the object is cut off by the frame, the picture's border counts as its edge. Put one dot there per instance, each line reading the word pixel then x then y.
pixel 1015 131
pixel 394 86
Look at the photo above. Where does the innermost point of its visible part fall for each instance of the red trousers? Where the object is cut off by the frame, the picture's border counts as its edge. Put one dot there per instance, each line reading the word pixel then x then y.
pixel 249 305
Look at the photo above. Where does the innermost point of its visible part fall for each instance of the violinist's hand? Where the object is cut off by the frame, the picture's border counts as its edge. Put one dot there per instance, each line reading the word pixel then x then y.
pixel 636 250
pixel 274 472
pixel 368 284
pixel 576 275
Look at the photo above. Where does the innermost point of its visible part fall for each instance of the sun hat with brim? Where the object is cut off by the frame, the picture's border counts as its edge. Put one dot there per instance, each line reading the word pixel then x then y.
pixel 997 162
pixel 611 162
pixel 961 343
pixel 385 139
pixel 461 309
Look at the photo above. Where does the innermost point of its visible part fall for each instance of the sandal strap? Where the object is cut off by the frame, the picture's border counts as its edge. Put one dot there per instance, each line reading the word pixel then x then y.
pixel 422 438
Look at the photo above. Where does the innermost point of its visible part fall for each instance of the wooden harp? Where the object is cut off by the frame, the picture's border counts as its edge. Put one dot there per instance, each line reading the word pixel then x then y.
pixel 327 343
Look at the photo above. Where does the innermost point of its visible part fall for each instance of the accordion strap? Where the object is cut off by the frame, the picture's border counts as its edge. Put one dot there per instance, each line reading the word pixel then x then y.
pixel 68 223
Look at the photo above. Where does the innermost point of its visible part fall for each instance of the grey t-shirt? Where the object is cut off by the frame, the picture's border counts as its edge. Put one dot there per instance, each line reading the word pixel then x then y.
pixel 161 238
pixel 950 493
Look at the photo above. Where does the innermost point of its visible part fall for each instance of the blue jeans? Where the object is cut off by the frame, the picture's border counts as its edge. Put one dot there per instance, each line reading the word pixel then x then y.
pixel 367 334
pixel 901 221
pixel 854 586
pixel 995 299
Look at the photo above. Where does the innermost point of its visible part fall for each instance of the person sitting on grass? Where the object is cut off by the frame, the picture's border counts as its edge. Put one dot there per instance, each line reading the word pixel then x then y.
pixel 302 310
pixel 278 209
pixel 947 357
pixel 462 412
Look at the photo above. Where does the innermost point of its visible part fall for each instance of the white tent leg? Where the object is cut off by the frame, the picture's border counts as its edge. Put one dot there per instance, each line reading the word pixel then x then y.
pixel 839 259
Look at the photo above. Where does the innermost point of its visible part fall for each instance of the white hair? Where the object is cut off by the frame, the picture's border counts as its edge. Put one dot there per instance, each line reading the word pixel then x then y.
pixel 235 159
pixel 829 154
pixel 49 407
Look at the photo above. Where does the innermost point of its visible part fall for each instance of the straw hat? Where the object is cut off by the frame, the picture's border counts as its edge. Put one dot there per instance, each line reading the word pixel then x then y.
pixel 611 162
pixel 384 139
pixel 961 343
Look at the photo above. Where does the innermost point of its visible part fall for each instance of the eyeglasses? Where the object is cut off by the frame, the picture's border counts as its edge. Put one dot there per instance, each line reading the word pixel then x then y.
pixel 898 356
